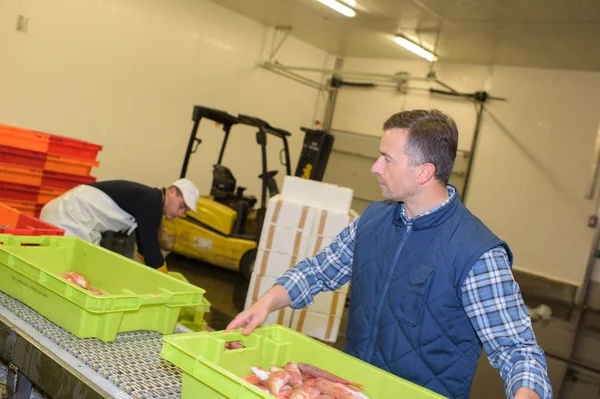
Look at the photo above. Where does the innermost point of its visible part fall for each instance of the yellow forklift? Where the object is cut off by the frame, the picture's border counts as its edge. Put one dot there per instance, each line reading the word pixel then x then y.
pixel 227 224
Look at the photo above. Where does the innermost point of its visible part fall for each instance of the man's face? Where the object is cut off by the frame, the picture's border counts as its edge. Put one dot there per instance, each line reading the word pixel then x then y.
pixel 175 206
pixel 394 169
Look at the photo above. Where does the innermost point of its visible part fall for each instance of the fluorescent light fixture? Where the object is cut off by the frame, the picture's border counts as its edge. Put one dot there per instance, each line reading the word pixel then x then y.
pixel 339 7
pixel 415 48
pixel 351 3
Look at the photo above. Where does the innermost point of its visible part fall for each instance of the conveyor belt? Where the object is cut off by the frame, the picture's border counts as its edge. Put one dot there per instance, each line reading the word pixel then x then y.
pixel 129 367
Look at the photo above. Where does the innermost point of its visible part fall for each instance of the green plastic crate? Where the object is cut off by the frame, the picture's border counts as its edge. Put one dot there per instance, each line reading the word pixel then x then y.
pixel 138 297
pixel 193 325
pixel 192 317
pixel 212 372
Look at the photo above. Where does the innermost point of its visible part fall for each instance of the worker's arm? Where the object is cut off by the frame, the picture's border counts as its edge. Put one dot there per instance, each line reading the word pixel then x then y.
pixel 148 240
pixel 328 270
pixel 492 300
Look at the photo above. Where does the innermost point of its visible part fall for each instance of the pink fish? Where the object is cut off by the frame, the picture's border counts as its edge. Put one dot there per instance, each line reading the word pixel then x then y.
pixel 337 390
pixel 276 381
pixel 304 392
pixel 292 368
pixel 285 393
pixel 256 381
pixel 253 379
pixel 310 382
pixel 354 392
pixel 97 291
pixel 325 397
pixel 80 280
pixel 260 372
pixel 234 345
pixel 69 278
pixel 315 372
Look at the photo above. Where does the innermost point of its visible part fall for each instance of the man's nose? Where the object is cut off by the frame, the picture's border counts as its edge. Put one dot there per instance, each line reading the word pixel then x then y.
pixel 376 168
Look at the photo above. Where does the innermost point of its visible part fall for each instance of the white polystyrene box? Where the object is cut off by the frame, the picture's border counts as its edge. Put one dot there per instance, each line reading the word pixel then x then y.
pixel 317 194
pixel 272 263
pixel 279 239
pixel 316 325
pixel 330 224
pixel 290 215
pixel 330 303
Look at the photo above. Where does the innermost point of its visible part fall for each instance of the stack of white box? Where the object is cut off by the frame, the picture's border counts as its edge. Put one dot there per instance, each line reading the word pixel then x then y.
pixel 299 222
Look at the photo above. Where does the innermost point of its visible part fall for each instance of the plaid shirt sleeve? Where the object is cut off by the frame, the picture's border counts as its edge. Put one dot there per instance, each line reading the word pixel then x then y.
pixel 328 270
pixel 493 302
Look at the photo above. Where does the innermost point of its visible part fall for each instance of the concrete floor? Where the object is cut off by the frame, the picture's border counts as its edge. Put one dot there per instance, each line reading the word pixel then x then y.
pixel 226 290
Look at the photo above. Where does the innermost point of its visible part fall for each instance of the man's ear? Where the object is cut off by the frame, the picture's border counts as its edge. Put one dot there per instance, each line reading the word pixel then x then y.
pixel 426 173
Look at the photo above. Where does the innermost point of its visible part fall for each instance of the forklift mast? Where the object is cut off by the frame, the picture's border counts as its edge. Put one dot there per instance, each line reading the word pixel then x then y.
pixel 221 117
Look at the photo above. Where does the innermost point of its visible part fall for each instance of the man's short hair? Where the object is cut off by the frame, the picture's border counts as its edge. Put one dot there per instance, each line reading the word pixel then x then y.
pixel 432 137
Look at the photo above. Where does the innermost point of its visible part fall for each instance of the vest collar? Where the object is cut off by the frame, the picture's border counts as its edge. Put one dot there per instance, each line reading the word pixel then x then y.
pixel 428 220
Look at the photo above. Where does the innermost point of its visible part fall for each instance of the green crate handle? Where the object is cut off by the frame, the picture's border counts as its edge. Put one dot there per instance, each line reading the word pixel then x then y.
pixel 15 241
pixel 230 336
pixel 154 299
pixel 250 342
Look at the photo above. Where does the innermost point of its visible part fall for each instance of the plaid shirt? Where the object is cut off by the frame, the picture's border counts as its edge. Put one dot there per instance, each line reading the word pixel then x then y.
pixel 490 295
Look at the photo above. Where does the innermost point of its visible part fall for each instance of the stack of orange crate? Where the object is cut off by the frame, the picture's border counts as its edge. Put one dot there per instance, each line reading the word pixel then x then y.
pixel 36 167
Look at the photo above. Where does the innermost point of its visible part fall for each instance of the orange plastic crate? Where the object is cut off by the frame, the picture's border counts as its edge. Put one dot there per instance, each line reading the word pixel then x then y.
pixel 62 164
pixel 20 174
pixel 64 181
pixel 28 208
pixel 47 194
pixel 13 221
pixel 19 192
pixel 21 157
pixel 23 138
pixel 67 146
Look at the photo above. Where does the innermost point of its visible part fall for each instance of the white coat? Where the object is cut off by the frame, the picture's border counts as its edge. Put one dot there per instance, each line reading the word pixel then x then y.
pixel 87 212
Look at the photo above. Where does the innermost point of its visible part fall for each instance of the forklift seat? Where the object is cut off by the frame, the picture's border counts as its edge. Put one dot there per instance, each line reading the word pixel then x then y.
pixel 223 190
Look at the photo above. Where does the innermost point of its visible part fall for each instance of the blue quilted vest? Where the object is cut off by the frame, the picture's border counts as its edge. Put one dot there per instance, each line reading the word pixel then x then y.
pixel 406 314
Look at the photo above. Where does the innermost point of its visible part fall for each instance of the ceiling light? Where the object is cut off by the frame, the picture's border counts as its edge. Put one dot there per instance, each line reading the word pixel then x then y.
pixel 415 48
pixel 339 7
pixel 351 3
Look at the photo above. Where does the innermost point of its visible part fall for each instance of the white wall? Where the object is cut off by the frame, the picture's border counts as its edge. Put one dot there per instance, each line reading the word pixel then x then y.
pixel 532 164
pixel 127 73
pixel 364 110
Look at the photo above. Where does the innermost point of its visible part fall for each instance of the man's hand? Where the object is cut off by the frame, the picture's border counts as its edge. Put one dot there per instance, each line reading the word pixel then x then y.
pixel 276 298
pixel 250 318
pixel 526 393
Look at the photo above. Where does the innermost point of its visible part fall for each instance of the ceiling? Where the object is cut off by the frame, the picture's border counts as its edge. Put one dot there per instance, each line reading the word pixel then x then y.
pixel 533 33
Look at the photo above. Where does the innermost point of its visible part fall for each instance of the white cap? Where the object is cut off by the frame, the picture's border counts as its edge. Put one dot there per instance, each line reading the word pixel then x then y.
pixel 189 191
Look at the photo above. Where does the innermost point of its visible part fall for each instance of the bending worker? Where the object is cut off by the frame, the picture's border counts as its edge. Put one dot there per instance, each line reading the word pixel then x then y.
pixel 89 210
pixel 431 284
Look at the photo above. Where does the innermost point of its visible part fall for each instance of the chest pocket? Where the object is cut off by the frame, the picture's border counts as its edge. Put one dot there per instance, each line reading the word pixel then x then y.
pixel 408 298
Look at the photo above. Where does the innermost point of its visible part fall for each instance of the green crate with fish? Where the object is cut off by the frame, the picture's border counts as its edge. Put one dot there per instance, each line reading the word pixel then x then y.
pixel 275 361
pixel 88 290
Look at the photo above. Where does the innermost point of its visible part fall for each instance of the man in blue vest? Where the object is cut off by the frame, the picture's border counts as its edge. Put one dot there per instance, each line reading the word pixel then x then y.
pixel 431 284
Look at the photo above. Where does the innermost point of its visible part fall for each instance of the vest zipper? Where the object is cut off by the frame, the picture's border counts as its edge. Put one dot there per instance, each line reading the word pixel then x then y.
pixel 383 294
